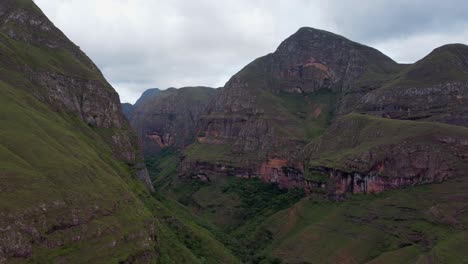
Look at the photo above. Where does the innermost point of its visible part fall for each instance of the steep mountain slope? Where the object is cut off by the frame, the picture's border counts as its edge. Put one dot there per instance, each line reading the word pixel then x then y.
pixel 424 224
pixel 365 154
pixel 169 118
pixel 73 186
pixel 268 111
pixel 433 89
pixel 69 163
pixel 324 118
pixel 287 118
pixel 260 122
pixel 63 193
pixel 147 95
pixel 127 110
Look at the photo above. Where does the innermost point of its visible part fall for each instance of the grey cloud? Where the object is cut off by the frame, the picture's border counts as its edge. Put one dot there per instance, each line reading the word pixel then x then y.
pixel 372 20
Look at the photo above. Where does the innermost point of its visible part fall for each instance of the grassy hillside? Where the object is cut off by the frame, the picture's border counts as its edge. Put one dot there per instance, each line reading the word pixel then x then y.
pixel 57 170
pixel 418 225
pixel 354 135
pixel 60 166
pixel 267 225
pixel 263 224
pixel 69 191
pixel 448 63
pixel 226 209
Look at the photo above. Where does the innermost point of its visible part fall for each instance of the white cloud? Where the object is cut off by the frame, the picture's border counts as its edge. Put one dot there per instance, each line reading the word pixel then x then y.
pixel 140 44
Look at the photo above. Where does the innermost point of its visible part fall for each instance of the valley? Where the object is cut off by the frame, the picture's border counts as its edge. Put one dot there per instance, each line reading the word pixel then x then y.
pixel 323 151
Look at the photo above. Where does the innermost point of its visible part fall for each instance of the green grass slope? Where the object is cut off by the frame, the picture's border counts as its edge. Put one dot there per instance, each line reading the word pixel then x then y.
pixel 448 63
pixel 354 135
pixel 226 209
pixel 424 224
pixel 54 167
pixel 58 172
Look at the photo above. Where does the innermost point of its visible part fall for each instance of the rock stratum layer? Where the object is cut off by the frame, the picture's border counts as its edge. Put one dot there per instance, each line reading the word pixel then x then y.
pixel 268 112
pixel 269 119
pixel 69 163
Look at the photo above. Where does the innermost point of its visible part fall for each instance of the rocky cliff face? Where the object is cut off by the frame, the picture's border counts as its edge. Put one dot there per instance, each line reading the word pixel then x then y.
pixel 364 154
pixel 266 114
pixel 169 118
pixel 59 74
pixel 69 161
pixel 279 102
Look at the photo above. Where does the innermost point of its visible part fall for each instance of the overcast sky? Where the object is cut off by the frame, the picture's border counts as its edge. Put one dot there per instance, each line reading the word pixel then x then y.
pixel 140 44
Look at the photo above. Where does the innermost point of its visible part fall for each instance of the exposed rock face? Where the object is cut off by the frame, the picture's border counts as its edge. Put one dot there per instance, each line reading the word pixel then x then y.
pixel 61 75
pixel 361 154
pixel 434 89
pixel 282 172
pixel 275 105
pixel 268 112
pixel 74 192
pixel 445 102
pixel 168 118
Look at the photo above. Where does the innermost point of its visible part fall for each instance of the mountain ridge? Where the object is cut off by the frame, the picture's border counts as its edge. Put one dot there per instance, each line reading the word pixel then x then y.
pixel 272 108
pixel 248 173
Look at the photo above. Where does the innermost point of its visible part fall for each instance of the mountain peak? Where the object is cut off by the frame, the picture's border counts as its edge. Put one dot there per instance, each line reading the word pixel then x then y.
pixel 307 37
pixel 453 46
pixel 147 94
pixel 446 63
pixel 326 45
pixel 454 51
pixel 315 32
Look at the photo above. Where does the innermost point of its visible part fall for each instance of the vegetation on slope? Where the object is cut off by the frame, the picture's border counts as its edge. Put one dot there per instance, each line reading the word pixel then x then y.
pixel 226 209
pixel 58 165
pixel 418 225
pixel 353 135
pixel 448 63
pixel 413 225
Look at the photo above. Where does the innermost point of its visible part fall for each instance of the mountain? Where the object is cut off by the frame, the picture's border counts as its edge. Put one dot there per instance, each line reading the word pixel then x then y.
pixel 127 110
pixel 73 184
pixel 432 89
pixel 259 124
pixel 320 120
pixel 168 118
pixel 147 94
pixel 325 151
pixel 271 109
pixel 67 151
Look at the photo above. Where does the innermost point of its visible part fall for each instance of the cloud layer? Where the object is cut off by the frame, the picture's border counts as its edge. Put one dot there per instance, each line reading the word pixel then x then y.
pixel 140 44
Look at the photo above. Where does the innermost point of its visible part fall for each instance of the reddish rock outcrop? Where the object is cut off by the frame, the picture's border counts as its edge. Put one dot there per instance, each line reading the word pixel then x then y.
pixel 283 172
pixel 254 113
pixel 386 155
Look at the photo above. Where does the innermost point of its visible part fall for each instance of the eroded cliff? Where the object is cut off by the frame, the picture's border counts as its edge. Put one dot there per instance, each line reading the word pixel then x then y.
pixel 69 161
